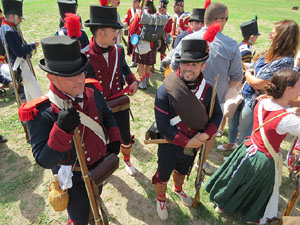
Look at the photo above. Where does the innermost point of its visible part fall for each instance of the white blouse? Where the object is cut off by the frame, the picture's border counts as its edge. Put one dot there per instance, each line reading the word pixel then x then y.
pixel 289 124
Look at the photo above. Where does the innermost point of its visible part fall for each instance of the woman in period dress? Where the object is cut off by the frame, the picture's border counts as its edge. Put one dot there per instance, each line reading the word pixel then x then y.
pixel 248 182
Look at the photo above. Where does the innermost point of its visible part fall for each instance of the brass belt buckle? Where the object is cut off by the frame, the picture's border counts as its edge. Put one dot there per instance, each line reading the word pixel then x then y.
pixel 188 151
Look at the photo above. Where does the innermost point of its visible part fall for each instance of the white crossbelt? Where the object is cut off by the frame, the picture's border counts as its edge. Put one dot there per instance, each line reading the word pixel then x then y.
pixel 198 94
pixel 84 119
pixel 115 67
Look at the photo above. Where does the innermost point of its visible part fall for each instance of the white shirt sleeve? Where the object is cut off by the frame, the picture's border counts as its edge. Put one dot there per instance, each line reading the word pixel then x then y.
pixel 289 124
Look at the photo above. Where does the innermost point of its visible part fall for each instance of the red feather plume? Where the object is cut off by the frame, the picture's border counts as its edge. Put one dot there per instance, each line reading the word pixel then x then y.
pixel 72 23
pixel 103 2
pixel 207 3
pixel 211 32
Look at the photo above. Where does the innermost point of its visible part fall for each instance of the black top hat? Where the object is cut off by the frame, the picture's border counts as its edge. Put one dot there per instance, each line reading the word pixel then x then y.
pixel 62 56
pixel 66 6
pixel 198 15
pixel 249 28
pixel 103 16
pixel 163 3
pixel 13 7
pixel 193 50
pixel 179 2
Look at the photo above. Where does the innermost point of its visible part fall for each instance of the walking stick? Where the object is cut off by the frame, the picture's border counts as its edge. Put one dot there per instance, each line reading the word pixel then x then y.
pixel 13 78
pixel 292 203
pixel 200 175
pixel 28 60
pixel 84 170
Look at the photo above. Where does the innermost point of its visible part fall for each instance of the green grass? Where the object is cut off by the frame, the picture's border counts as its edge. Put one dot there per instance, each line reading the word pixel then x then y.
pixel 24 185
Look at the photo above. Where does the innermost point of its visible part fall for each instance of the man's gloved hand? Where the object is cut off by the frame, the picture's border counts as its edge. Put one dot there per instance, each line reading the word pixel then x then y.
pixel 68 120
pixel 114 147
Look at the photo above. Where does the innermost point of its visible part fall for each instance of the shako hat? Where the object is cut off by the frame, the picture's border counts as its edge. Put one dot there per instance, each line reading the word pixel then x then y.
pixel 249 28
pixel 103 16
pixel 193 50
pixel 163 3
pixel 66 6
pixel 13 7
pixel 62 56
pixel 197 15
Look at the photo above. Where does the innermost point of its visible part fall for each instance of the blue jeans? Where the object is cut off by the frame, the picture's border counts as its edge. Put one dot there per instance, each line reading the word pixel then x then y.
pixel 242 121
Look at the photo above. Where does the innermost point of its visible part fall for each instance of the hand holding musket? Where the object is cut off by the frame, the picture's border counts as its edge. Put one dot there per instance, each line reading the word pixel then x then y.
pixel 84 170
pixel 13 78
pixel 200 175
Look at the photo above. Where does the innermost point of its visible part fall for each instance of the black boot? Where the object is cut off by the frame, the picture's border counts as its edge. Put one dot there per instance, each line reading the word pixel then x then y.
pixel 2 139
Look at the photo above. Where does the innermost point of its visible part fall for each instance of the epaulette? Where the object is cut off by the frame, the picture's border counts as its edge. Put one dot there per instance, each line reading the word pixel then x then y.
pixel 28 110
pixel 96 83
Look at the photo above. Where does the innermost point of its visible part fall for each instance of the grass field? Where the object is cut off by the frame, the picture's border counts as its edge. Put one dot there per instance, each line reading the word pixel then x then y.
pixel 129 200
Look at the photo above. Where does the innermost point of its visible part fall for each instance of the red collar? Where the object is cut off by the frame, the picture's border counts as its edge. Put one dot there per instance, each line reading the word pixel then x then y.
pixel 64 97
pixel 5 22
pixel 96 48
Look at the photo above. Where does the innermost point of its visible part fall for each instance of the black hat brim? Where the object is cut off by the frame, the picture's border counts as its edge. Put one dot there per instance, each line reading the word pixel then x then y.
pixel 184 59
pixel 103 25
pixel 85 63
pixel 196 19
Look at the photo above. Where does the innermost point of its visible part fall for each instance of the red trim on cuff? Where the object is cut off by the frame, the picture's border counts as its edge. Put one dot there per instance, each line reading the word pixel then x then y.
pixel 211 130
pixel 114 134
pixel 180 139
pixel 59 140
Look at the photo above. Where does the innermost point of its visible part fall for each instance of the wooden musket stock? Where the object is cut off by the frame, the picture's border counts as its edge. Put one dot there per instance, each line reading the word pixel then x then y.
pixel 156 141
pixel 200 175
pixel 292 202
pixel 84 170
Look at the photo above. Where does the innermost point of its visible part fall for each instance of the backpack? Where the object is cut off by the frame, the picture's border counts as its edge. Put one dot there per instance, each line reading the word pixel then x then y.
pixel 153 26
pixel 152 33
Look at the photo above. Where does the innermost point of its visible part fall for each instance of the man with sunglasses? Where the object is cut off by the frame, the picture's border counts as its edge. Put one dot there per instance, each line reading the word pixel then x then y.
pixel 224 60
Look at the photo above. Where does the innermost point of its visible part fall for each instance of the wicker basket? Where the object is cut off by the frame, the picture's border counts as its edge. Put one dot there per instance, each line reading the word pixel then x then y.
pixel 57 197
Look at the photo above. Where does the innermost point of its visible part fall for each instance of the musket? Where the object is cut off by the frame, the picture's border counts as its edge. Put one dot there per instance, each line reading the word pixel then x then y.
pixel 143 4
pixel 200 175
pixel 28 60
pixel 292 203
pixel 173 32
pixel 156 141
pixel 84 171
pixel 125 42
pixel 13 78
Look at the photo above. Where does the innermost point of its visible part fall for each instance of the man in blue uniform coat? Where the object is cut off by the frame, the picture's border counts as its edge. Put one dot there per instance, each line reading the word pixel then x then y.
pixel 51 128
pixel 18 49
pixel 71 23
pixel 181 107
